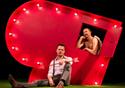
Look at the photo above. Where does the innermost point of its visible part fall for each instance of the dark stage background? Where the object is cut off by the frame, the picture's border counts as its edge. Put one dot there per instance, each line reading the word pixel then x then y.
pixel 108 8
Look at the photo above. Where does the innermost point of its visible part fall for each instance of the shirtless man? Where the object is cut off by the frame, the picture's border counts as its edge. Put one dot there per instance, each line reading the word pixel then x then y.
pixel 89 43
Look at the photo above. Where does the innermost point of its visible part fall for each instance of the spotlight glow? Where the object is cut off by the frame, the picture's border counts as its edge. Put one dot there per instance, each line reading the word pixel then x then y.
pixel 38 5
pixel 96 83
pixel 39 63
pixel 14 20
pixel 15 48
pixel 27 12
pixel 102 65
pixel 10 34
pixel 115 26
pixel 95 21
pixel 75 14
pixel 57 10
pixel 40 8
pixel 17 22
pixel 24 9
pixel 24 59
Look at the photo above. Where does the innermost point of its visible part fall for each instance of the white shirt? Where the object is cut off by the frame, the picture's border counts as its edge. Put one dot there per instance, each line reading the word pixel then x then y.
pixel 58 67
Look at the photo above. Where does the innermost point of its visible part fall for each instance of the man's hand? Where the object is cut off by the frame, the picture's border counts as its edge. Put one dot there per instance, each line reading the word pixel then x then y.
pixel 82 38
pixel 51 83
pixel 61 61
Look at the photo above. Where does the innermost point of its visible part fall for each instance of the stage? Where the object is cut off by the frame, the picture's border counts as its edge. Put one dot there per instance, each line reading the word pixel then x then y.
pixel 5 84
pixel 25 27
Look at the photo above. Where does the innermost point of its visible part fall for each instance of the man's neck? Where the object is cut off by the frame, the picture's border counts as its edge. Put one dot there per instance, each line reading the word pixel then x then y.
pixel 60 57
pixel 90 38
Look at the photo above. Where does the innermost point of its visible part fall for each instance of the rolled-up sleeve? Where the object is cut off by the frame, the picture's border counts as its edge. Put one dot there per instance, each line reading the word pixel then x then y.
pixel 50 71
pixel 69 59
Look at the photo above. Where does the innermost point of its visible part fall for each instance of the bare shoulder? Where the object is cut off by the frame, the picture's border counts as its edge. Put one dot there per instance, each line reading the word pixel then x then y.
pixel 95 39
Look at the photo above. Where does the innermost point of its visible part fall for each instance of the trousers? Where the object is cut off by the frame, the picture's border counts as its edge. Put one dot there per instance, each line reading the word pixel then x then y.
pixel 65 77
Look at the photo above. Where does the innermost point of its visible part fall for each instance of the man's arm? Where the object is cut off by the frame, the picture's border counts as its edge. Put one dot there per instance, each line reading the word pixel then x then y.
pixel 80 43
pixel 51 82
pixel 68 60
pixel 94 48
pixel 50 74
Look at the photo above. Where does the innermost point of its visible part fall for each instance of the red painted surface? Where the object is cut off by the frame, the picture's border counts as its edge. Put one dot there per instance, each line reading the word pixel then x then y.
pixel 33 33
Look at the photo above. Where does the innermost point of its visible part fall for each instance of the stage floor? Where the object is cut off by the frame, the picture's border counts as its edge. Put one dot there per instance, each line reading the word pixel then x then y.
pixel 5 84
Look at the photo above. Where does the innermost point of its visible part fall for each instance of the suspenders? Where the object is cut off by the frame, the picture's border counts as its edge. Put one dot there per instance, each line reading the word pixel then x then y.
pixel 54 67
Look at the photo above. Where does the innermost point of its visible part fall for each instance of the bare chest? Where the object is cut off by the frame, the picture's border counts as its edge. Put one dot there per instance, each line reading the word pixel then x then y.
pixel 89 44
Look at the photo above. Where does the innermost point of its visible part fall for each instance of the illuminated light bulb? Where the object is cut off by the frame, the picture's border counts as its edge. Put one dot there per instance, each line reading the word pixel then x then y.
pixel 17 22
pixel 24 9
pixel 24 59
pixel 27 12
pixel 14 20
pixel 39 63
pixel 13 47
pixel 115 26
pixel 38 5
pixel 96 83
pixel 41 66
pixel 76 59
pixel 40 8
pixel 102 65
pixel 10 34
pixel 16 48
pixel 95 21
pixel 13 35
pixel 57 10
pixel 75 14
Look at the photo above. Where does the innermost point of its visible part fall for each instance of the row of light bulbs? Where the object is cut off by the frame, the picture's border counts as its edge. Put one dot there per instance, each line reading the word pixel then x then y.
pixel 58 11
pixel 16 21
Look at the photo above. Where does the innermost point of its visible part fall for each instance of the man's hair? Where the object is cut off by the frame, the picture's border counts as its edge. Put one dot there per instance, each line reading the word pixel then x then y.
pixel 61 44
pixel 87 28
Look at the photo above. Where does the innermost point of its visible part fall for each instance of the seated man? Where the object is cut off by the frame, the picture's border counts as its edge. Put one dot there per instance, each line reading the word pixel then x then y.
pixel 89 43
pixel 58 73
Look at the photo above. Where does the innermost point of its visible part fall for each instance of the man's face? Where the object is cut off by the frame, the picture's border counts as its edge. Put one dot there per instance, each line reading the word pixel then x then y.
pixel 86 32
pixel 60 50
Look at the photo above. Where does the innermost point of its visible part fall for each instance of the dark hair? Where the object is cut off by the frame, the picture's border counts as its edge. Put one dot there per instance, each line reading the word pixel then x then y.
pixel 61 44
pixel 87 28
pixel 90 29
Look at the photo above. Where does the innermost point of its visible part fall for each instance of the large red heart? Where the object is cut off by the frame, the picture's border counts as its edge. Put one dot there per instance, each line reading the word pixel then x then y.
pixel 36 27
